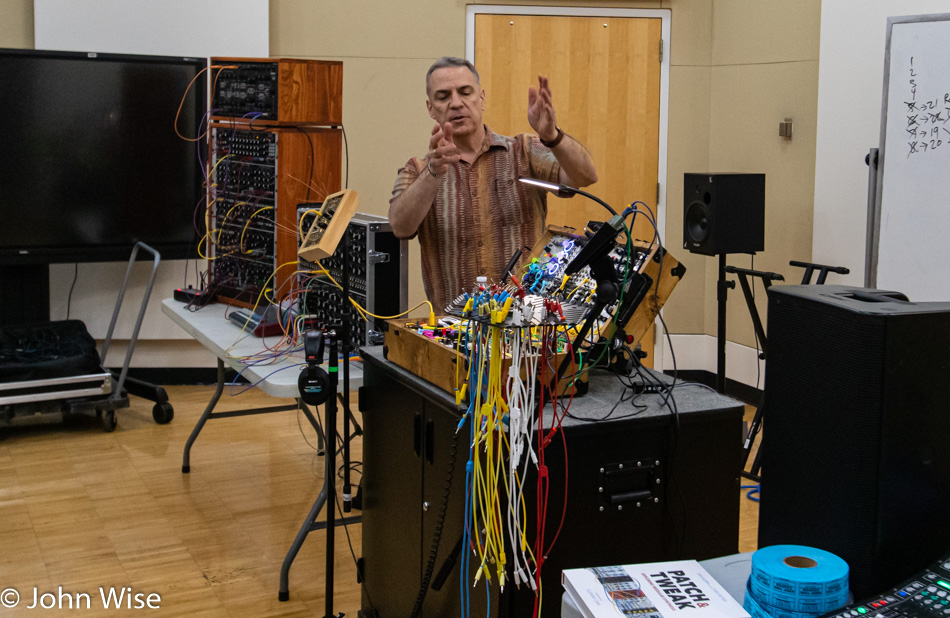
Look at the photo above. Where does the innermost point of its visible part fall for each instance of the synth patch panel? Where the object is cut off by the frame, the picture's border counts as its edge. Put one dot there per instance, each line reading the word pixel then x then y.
pixel 243 214
pixel 277 92
pixel 249 88
pixel 377 281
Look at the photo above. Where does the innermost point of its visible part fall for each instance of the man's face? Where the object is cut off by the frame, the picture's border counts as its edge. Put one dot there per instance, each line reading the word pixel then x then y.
pixel 455 96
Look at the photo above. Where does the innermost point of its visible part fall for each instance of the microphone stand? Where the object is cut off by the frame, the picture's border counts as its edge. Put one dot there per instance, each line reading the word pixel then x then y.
pixel 327 496
pixel 347 327
pixel 327 492
pixel 347 320
pixel 330 476
pixel 603 273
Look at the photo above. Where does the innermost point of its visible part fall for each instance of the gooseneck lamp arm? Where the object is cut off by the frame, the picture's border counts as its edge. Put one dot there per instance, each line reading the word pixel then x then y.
pixel 565 191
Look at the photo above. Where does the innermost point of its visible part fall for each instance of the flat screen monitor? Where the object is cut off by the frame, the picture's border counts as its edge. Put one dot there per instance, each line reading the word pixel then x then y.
pixel 91 162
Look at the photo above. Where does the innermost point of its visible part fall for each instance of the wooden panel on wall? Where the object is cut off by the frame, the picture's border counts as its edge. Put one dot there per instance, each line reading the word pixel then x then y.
pixel 605 80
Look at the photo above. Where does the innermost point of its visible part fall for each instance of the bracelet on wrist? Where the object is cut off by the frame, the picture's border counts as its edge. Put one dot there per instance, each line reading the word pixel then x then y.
pixel 429 167
pixel 554 142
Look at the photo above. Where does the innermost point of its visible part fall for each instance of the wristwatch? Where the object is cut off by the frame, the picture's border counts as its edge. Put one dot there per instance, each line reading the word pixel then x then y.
pixel 554 142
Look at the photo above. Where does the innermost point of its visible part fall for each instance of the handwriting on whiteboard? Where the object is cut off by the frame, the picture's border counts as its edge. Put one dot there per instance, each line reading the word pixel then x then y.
pixel 927 127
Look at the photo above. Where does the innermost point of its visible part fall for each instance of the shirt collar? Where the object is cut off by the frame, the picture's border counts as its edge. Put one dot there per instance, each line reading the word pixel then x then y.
pixel 492 140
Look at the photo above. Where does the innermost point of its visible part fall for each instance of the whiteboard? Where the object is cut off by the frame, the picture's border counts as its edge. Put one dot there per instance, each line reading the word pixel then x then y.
pixel 195 28
pixel 912 213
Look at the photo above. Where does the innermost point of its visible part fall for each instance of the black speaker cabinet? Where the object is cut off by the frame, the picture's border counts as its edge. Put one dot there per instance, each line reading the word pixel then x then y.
pixel 856 457
pixel 640 490
pixel 723 213
pixel 643 487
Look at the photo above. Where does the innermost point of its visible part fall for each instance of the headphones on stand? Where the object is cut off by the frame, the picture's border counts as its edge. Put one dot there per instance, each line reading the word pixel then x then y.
pixel 313 381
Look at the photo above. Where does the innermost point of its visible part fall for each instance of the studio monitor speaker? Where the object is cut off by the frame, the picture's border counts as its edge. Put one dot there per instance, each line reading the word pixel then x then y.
pixel 856 453
pixel 723 213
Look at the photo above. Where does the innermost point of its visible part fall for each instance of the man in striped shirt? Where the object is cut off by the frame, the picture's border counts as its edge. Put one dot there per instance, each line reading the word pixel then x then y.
pixel 463 198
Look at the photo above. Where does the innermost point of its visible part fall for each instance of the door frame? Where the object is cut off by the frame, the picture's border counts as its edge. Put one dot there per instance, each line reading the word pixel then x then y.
pixel 665 15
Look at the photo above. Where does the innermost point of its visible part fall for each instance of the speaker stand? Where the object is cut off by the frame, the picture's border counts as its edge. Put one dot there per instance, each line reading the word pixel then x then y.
pixel 722 294
pixel 823 270
pixel 767 279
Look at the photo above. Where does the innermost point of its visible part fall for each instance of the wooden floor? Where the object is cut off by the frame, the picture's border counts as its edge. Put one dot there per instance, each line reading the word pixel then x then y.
pixel 84 509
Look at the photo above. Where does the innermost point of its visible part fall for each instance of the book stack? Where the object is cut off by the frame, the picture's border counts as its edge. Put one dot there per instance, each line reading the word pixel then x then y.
pixel 681 589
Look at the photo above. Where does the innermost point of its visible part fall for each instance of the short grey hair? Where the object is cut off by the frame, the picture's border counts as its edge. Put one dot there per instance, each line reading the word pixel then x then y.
pixel 446 62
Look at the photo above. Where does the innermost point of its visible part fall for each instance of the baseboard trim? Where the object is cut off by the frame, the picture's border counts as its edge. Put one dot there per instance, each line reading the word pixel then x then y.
pixel 743 392
pixel 698 352
pixel 695 361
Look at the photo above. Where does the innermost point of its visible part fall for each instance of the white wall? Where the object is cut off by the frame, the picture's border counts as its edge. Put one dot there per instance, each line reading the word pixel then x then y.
pixel 850 86
pixel 195 28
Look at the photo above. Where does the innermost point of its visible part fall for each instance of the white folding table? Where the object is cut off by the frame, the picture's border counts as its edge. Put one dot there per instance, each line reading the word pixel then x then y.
pixel 229 343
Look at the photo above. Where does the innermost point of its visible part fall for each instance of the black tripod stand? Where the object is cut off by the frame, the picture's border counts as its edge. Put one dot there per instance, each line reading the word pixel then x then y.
pixel 602 271
pixel 319 387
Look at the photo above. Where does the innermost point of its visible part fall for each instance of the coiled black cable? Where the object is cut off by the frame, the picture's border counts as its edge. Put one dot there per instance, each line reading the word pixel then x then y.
pixel 437 535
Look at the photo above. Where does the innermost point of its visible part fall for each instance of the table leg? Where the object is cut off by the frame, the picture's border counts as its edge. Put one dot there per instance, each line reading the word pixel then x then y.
pixel 186 458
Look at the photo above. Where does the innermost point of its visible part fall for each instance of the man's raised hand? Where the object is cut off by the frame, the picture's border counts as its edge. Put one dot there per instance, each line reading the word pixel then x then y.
pixel 541 110
pixel 443 152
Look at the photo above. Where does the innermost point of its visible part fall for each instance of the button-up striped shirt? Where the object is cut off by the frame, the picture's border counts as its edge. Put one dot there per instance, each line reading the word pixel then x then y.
pixel 481 214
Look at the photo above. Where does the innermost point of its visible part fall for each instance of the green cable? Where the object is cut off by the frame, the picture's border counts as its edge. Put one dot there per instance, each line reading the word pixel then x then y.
pixel 626 272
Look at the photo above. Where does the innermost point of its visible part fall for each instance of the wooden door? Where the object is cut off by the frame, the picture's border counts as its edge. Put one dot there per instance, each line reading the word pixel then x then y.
pixel 605 81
